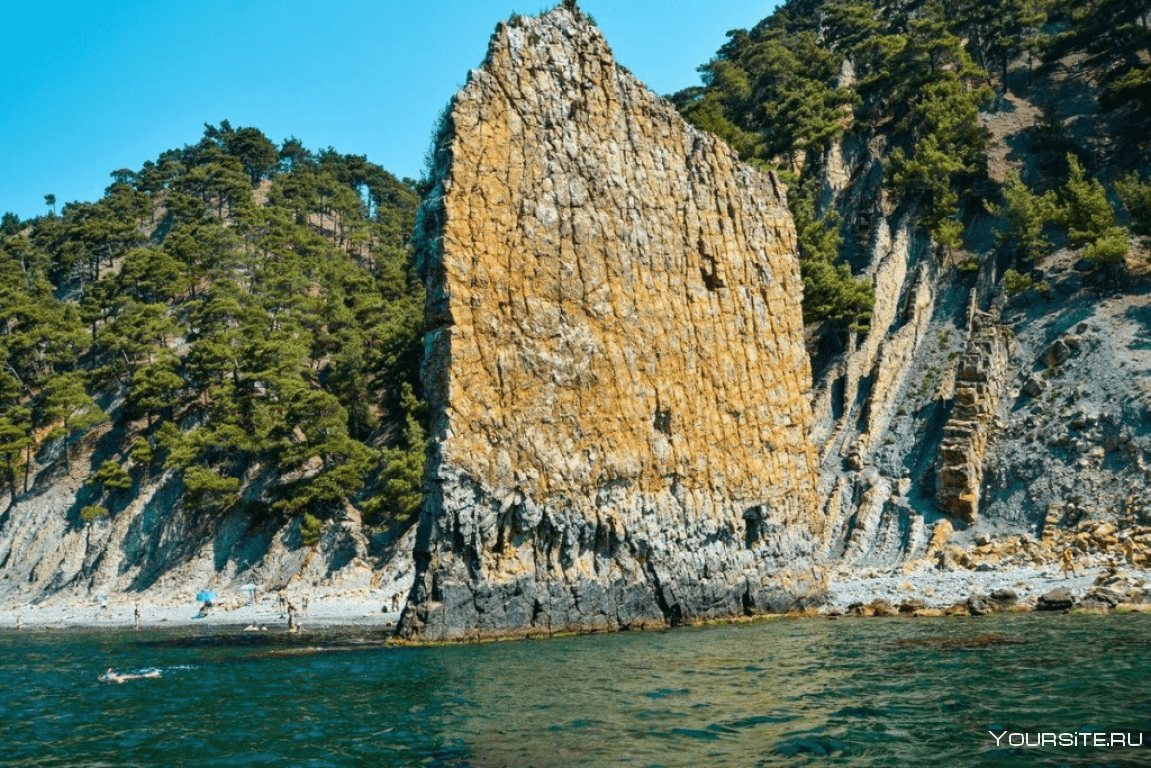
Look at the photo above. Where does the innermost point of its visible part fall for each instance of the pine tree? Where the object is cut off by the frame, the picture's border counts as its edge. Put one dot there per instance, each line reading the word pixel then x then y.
pixel 15 439
pixel 111 476
pixel 71 409
pixel 1136 197
pixel 1090 219
pixel 1025 217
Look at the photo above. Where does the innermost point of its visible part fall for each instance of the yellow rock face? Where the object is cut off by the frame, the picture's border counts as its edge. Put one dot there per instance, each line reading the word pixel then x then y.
pixel 615 365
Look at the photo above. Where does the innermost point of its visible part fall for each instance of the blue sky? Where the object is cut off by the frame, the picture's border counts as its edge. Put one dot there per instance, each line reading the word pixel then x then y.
pixel 89 87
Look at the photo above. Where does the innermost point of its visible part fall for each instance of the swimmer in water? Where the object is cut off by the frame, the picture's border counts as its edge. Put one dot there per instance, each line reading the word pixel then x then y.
pixel 111 677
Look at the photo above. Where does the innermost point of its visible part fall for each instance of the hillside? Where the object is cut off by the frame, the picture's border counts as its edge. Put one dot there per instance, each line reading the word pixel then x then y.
pixel 969 185
pixel 224 348
pixel 212 374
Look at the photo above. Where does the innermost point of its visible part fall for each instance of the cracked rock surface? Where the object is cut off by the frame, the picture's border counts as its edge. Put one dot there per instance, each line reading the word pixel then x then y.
pixel 614 363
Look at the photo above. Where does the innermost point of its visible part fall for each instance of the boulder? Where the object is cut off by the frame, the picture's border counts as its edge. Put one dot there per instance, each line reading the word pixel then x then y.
pixel 1004 598
pixel 1034 386
pixel 881 607
pixel 1056 354
pixel 1058 599
pixel 979 605
pixel 912 605
pixel 1103 598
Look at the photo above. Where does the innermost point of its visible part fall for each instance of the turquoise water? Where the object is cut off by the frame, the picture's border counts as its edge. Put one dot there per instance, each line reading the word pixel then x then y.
pixel 873 692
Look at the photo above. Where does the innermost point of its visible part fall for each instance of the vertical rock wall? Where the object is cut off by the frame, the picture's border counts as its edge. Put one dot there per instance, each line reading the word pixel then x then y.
pixel 984 370
pixel 615 363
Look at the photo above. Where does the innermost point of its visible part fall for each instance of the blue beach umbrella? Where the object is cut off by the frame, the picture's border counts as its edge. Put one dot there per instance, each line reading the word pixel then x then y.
pixel 206 595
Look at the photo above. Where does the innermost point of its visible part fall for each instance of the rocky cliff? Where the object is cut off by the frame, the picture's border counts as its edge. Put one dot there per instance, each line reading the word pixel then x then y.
pixel 966 413
pixel 615 366
pixel 161 552
pixel 979 383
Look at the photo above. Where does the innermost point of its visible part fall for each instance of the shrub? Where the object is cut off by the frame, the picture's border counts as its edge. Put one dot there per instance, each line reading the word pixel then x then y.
pixel 93 512
pixel 1136 198
pixel 1109 248
pixel 1015 283
pixel 112 476
pixel 310 528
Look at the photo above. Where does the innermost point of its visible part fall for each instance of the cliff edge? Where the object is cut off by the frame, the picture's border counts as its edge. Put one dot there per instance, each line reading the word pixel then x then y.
pixel 615 368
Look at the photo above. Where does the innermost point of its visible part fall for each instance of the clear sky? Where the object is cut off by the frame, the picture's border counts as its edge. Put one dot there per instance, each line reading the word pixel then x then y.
pixel 90 87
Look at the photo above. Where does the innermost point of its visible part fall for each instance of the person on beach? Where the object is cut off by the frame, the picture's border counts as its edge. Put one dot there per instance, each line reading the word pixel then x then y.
pixel 1067 563
pixel 292 625
pixel 137 617
pixel 112 677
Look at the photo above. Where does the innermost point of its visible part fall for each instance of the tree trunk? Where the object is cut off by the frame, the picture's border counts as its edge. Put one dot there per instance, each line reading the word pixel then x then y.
pixel 13 477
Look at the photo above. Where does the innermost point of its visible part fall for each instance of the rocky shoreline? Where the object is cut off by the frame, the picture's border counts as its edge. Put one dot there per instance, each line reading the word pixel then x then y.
pixel 1092 567
pixel 925 592
pixel 370 610
pixel 931 592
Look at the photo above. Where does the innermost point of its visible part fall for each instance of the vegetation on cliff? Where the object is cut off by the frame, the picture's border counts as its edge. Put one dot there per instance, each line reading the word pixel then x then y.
pixel 243 314
pixel 910 80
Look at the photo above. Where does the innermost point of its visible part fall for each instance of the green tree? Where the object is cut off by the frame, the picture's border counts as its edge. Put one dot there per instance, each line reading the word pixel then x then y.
pixel 135 337
pixel 71 410
pixel 10 223
pixel 143 455
pixel 401 493
pixel 15 439
pixel 156 388
pixel 111 476
pixel 1135 194
pixel 152 275
pixel 830 291
pixel 207 488
pixel 255 152
pixel 1025 217
pixel 1089 217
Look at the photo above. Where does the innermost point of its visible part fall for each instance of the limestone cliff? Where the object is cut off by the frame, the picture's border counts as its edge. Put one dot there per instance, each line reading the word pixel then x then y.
pixel 967 411
pixel 160 551
pixel 615 362
pixel 980 381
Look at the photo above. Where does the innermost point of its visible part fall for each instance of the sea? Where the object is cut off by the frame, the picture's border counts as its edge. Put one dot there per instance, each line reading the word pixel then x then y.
pixel 1004 690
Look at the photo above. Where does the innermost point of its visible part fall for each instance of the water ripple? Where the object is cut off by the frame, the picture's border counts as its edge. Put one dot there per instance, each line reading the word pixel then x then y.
pixel 782 693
